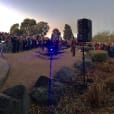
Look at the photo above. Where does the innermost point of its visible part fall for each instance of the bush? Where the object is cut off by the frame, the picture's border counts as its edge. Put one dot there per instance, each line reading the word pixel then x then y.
pixel 110 84
pixel 98 55
pixel 105 67
pixel 87 48
pixel 96 95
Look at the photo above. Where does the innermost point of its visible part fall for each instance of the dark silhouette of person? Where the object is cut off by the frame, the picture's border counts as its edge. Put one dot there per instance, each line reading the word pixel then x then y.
pixel 73 46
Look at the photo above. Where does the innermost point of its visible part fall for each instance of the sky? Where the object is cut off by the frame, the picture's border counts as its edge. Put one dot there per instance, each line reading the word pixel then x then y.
pixel 58 13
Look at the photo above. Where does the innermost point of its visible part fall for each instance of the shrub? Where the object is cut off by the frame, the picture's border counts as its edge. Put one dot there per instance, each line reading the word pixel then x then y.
pixel 96 95
pixel 105 67
pixel 87 48
pixel 110 84
pixel 98 55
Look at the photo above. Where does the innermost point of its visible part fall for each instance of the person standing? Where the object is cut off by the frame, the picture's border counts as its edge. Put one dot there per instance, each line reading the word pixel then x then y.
pixel 73 46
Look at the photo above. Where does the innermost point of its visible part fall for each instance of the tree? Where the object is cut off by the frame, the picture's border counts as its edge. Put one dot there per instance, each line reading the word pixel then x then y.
pixel 30 27
pixel 67 32
pixel 27 26
pixel 41 28
pixel 14 29
pixel 111 37
pixel 56 35
pixel 102 37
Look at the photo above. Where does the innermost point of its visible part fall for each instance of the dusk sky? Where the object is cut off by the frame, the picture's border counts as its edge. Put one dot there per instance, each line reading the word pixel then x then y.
pixel 58 13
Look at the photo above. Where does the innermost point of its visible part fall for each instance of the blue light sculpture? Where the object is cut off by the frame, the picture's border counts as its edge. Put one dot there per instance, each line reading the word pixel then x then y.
pixel 51 51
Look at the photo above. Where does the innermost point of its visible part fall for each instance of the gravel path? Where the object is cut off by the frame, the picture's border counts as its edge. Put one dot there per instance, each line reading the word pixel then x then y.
pixel 26 67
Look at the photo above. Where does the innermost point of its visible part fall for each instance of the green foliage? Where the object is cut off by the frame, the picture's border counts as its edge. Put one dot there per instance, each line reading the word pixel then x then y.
pixel 56 31
pixel 88 48
pixel 98 55
pixel 14 29
pixel 56 34
pixel 104 37
pixel 29 27
pixel 41 28
pixel 67 32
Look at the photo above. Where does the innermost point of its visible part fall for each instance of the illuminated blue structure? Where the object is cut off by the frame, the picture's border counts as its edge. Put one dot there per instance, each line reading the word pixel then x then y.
pixel 50 81
pixel 53 48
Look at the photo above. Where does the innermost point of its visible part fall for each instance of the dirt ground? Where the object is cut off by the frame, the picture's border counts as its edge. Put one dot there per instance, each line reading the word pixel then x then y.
pixel 27 66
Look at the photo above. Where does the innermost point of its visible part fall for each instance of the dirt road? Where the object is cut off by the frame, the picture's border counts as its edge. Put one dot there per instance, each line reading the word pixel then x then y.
pixel 27 66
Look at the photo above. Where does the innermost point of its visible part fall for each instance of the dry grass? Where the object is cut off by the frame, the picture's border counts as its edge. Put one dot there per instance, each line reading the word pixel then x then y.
pixel 100 95
pixel 109 84
pixel 96 96
pixel 98 99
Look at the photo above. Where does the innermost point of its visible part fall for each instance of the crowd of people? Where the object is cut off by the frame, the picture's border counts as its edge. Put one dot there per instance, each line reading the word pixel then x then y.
pixel 109 47
pixel 18 43
pixel 13 44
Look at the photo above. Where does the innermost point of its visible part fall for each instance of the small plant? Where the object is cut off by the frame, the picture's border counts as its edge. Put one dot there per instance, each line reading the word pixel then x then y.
pixel 110 84
pixel 87 48
pixel 96 95
pixel 105 67
pixel 98 55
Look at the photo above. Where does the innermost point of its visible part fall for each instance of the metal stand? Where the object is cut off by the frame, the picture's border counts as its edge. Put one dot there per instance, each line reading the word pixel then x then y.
pixel 83 60
pixel 50 86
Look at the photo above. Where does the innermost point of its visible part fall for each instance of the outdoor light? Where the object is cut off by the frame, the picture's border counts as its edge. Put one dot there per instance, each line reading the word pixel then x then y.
pixel 51 52
pixel 51 49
